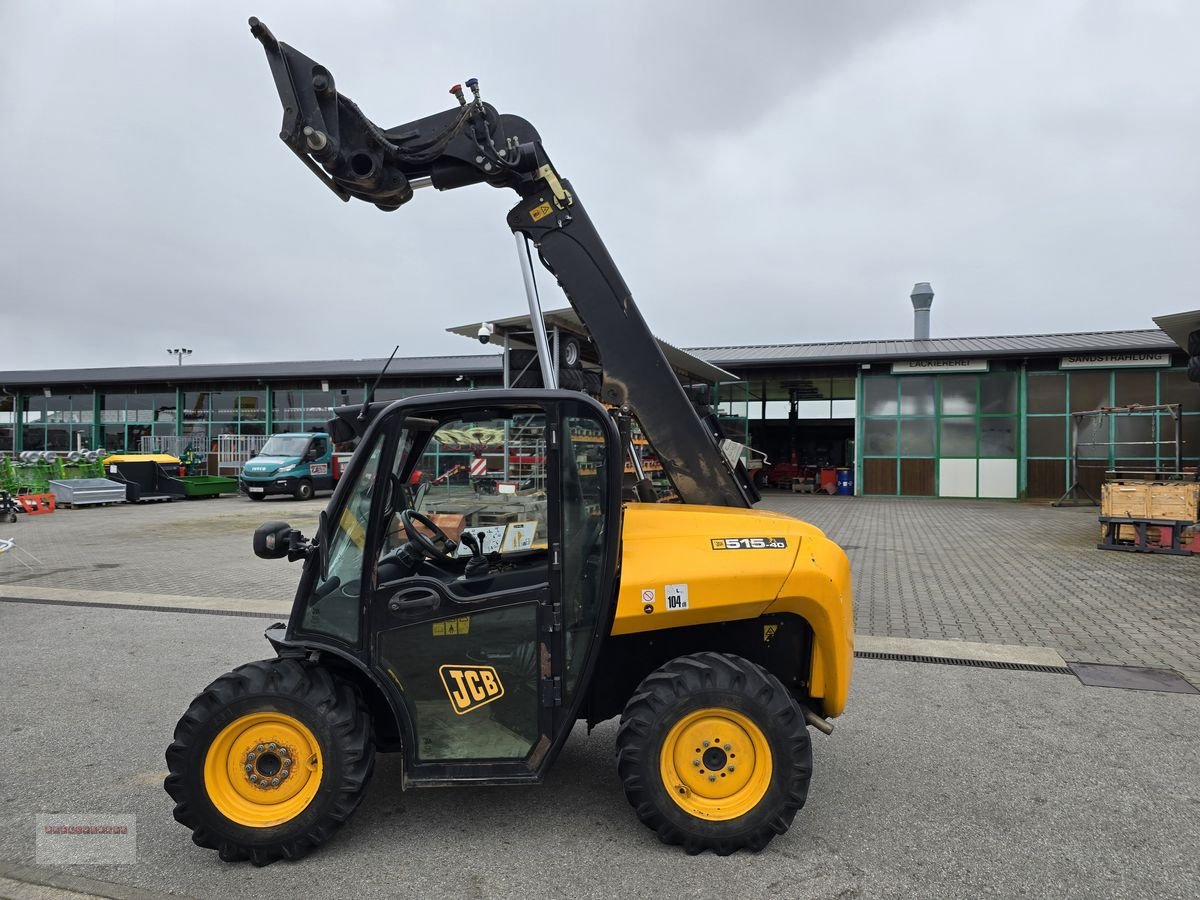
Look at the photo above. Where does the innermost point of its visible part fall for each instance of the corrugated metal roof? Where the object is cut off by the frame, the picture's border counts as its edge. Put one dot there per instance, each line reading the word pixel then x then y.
pixel 740 355
pixel 938 348
pixel 298 369
pixel 1180 325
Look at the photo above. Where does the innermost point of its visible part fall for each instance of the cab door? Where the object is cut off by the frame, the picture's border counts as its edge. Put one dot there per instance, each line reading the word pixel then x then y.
pixel 488 661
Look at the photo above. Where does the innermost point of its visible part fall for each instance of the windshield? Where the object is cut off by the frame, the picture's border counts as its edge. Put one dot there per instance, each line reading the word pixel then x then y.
pixel 284 445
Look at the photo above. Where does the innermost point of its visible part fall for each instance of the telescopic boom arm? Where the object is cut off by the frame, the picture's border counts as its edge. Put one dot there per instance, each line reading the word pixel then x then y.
pixel 472 143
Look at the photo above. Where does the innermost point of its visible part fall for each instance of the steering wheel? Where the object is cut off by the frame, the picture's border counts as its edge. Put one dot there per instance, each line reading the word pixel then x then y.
pixel 439 546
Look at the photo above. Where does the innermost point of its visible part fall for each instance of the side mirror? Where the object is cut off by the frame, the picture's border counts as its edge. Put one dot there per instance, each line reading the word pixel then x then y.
pixel 272 540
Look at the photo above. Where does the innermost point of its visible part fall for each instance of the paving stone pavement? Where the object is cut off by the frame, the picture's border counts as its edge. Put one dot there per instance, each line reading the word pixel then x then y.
pixel 1010 573
pixel 994 572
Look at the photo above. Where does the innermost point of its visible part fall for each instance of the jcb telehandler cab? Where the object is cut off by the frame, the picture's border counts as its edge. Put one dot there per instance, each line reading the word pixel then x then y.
pixel 468 630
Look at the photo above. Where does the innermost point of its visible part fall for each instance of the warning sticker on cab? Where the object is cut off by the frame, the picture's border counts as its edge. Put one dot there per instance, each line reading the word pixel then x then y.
pixel 461 625
pixel 749 543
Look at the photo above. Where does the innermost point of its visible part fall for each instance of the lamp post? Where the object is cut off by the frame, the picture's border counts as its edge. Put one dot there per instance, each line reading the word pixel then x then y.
pixel 179 353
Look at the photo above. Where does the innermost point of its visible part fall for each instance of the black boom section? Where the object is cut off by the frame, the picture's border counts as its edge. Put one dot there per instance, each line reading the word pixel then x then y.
pixel 636 374
pixel 471 144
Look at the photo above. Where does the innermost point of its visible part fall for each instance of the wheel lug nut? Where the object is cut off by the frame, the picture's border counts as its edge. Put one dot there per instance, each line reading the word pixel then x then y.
pixel 270 746
pixel 695 762
pixel 260 748
pixel 287 762
pixel 274 782
pixel 251 756
pixel 283 774
pixel 705 744
pixel 249 768
pixel 731 768
pixel 712 777
pixel 254 778
pixel 728 747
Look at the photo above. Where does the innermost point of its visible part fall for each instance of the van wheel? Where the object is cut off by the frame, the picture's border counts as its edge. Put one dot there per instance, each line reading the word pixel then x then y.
pixel 714 754
pixel 270 760
pixel 304 490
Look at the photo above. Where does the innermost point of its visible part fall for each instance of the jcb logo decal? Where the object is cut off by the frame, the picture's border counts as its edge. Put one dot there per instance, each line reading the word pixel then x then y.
pixel 470 687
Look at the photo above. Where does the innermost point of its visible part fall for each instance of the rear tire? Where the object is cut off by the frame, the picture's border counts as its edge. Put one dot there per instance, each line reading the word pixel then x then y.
pixel 304 490
pixel 714 754
pixel 282 721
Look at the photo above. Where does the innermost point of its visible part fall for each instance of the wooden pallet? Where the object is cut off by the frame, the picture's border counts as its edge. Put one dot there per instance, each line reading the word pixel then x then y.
pixel 1149 535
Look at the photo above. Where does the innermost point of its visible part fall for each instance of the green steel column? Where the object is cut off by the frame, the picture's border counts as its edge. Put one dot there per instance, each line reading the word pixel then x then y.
pixel 97 429
pixel 18 423
pixel 858 423
pixel 1022 424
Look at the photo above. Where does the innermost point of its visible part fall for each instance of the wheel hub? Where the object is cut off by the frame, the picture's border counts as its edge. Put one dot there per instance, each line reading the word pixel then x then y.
pixel 269 765
pixel 714 759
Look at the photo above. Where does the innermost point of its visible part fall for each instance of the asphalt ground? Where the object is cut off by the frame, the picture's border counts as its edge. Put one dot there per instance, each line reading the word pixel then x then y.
pixel 939 781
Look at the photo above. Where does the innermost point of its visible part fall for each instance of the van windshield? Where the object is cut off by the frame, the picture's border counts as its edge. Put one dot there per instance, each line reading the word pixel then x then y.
pixel 284 445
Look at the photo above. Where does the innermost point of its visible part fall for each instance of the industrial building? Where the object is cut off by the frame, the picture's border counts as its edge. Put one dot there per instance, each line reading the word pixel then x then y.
pixel 976 417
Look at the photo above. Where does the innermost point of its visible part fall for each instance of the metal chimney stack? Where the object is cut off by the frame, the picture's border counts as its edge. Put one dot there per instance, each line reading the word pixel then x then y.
pixel 922 300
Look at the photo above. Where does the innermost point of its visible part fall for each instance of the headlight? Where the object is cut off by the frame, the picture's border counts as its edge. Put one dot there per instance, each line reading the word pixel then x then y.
pixel 283 469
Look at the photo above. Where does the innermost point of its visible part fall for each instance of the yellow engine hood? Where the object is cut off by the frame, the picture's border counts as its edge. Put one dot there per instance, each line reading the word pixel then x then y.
pixel 689 565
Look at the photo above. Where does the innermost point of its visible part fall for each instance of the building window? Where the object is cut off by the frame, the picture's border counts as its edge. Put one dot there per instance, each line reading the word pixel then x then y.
pixel 129 420
pixel 941 435
pixel 60 422
pixel 1048 428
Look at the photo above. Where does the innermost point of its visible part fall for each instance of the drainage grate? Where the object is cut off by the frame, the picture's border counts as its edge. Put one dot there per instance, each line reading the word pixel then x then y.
pixel 970 663
pixel 131 608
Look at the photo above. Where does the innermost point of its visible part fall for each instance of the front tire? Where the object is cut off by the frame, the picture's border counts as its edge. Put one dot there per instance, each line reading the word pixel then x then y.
pixel 714 754
pixel 304 490
pixel 270 760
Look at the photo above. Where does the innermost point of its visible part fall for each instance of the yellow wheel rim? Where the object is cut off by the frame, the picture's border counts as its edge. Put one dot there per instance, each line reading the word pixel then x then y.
pixel 716 764
pixel 263 769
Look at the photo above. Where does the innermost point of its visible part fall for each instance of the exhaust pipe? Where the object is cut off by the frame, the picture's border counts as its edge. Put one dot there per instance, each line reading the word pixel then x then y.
pixel 822 725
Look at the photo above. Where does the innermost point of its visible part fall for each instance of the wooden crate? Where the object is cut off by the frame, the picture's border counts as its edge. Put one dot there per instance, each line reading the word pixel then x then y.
pixel 1175 500
pixel 1125 498
pixel 1149 500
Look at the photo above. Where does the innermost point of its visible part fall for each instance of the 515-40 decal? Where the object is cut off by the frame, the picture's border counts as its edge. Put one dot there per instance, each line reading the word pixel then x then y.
pixel 749 543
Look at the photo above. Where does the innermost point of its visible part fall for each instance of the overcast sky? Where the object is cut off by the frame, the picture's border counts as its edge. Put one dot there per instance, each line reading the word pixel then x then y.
pixel 761 172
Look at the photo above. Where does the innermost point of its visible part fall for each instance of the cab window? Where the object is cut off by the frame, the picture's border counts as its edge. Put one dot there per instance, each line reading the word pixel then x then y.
pixel 488 476
pixel 333 604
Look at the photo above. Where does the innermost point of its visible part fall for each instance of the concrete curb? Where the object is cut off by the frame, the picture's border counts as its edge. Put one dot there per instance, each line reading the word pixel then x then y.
pixel 242 606
pixel 279 608
pixel 1037 656
pixel 58 886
